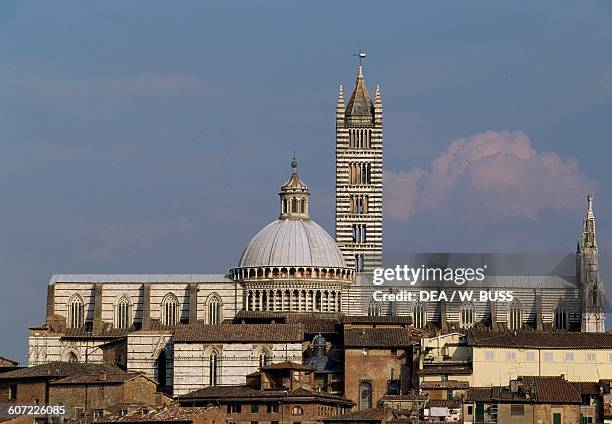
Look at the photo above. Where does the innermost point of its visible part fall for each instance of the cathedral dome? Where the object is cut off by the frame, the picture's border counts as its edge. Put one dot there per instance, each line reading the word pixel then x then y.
pixel 294 246
pixel 292 242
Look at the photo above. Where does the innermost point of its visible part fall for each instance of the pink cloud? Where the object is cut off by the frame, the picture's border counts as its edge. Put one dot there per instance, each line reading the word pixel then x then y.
pixel 497 174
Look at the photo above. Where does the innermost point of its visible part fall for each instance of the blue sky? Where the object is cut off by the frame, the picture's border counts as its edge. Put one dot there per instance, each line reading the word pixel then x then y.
pixel 153 136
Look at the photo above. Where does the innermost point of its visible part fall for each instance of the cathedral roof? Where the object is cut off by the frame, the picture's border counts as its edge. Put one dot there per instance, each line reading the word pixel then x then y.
pixel 292 242
pixel 360 103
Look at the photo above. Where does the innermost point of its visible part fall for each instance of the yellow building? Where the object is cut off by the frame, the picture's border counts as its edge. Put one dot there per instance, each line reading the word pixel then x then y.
pixel 499 357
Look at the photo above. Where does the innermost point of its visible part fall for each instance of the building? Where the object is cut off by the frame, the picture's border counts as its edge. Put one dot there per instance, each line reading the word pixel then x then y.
pixel 279 393
pixel 359 173
pixel 546 400
pixel 293 271
pixel 86 390
pixel 498 357
pixel 377 362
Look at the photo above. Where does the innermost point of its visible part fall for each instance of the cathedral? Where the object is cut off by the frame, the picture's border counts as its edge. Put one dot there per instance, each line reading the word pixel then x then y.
pixel 189 331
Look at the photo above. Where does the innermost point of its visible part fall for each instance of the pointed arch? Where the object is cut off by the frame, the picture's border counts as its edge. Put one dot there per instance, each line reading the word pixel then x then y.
pixel 515 315
pixel 76 311
pixel 213 358
pixel 263 355
pixel 123 312
pixel 214 309
pixel 170 312
pixel 467 315
pixel 419 315
pixel 72 357
pixel 561 316
pixel 161 369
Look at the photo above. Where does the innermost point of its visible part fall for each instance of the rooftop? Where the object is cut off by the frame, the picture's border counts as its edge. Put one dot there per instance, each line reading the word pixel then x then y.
pixel 540 339
pixel 532 389
pixel 62 369
pixel 376 337
pixel 242 392
pixel 239 333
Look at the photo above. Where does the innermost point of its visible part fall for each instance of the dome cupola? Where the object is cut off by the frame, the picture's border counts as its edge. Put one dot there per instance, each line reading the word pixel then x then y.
pixel 294 196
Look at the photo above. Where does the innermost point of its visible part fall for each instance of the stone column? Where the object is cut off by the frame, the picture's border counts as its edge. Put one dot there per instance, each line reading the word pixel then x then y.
pixel 97 318
pixel 146 307
pixel 193 303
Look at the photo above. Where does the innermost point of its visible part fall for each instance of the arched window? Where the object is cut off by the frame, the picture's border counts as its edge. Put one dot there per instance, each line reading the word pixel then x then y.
pixel 297 410
pixel 359 262
pixel 561 317
pixel 214 309
pixel 467 315
pixel 213 368
pixel 515 316
pixel 419 314
pixel 365 395
pixel 170 310
pixel 293 205
pixel 374 309
pixel 72 357
pixel 161 366
pixel 76 312
pixel 123 313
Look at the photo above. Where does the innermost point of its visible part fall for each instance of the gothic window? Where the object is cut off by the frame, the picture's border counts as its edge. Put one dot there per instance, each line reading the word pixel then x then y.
pixel 123 313
pixel 214 309
pixel 374 309
pixel 213 369
pixel 359 262
pixel 467 315
pixel 561 317
pixel 359 233
pixel 419 315
pixel 515 316
pixel 170 310
pixel 264 357
pixel 76 312
pixel 595 295
pixel 72 357
pixel 365 395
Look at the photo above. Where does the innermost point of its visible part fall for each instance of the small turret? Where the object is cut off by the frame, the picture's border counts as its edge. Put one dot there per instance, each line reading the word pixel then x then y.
pixel 294 196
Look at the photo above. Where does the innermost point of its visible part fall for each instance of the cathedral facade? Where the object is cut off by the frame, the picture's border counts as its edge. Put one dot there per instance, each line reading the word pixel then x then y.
pixel 185 330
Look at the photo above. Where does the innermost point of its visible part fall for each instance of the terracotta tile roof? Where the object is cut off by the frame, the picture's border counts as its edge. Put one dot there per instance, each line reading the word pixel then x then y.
pixel 287 365
pixel 61 369
pixel 586 387
pixel 534 389
pixel 540 339
pixel 168 413
pixel 239 333
pixel 376 337
pixel 405 397
pixel 99 378
pixel 363 415
pixel 3 359
pixel 386 319
pixel 314 323
pixel 107 332
pixel 242 392
pixel 445 403
pixel 445 369
pixel 448 384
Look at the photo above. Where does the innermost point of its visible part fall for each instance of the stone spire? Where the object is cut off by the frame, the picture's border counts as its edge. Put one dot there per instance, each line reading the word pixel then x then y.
pixel 294 196
pixel 588 237
pixel 360 104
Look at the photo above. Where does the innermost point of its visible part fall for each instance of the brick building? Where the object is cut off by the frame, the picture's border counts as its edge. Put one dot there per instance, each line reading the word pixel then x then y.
pixel 377 362
pixel 279 393
pixel 546 400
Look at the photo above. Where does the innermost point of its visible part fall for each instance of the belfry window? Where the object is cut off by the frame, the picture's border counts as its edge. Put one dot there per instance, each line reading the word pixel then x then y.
pixel 123 313
pixel 76 312
pixel 170 310
pixel 359 233
pixel 359 262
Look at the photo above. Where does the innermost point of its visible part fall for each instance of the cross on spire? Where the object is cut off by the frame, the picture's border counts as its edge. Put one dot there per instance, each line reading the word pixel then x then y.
pixel 361 55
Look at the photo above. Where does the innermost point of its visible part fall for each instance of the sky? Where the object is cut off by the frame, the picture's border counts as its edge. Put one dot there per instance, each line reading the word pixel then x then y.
pixel 149 136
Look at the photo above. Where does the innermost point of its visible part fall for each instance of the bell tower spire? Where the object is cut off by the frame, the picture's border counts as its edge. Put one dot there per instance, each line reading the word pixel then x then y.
pixel 359 155
pixel 587 272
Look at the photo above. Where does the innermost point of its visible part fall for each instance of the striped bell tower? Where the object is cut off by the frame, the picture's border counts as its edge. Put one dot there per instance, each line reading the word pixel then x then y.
pixel 359 167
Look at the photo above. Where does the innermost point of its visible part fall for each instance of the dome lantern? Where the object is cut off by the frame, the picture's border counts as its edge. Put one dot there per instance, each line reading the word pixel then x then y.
pixel 294 196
